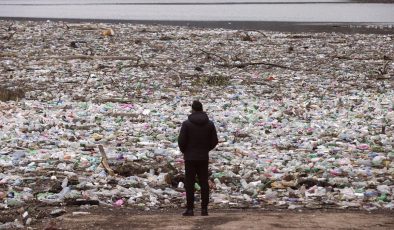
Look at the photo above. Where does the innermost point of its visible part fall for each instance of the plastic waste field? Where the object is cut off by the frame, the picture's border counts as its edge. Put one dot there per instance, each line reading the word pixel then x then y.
pixel 304 120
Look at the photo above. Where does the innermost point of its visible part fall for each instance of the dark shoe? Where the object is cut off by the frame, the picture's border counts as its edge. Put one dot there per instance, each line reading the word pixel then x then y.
pixel 188 212
pixel 204 212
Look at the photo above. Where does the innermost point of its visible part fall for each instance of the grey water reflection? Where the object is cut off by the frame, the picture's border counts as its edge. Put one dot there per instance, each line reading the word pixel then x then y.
pixel 203 10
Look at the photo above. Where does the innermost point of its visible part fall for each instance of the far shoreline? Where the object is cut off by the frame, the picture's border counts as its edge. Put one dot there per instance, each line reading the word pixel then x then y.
pixel 292 27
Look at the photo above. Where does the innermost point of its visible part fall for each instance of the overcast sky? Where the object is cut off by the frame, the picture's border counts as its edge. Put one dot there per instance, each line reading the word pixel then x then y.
pixel 155 1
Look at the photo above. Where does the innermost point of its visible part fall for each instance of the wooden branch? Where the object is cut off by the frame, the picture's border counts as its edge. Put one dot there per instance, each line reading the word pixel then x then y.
pixel 209 53
pixel 10 27
pixel 358 58
pixel 87 79
pixel 70 57
pixel 104 161
pixel 87 57
pixel 10 36
pixel 114 100
pixel 385 68
pixel 122 114
pixel 66 25
pixel 258 31
pixel 243 65
pixel 82 26
pixel 7 55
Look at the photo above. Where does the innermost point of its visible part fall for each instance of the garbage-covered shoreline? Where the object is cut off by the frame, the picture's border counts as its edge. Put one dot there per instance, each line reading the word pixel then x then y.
pixel 305 120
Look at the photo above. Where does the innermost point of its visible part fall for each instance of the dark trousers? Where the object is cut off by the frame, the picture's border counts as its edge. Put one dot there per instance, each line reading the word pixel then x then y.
pixel 199 168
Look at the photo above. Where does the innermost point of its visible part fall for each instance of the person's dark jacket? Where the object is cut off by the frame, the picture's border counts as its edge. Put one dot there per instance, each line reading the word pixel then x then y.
pixel 197 137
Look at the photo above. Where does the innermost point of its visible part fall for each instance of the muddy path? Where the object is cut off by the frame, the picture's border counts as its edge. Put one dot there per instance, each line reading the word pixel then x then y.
pixel 114 218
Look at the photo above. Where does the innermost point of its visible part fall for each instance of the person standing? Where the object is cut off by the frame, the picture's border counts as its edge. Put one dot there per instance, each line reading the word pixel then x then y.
pixel 196 138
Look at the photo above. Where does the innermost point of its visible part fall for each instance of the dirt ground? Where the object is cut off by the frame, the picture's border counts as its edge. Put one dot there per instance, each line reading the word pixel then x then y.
pixel 121 218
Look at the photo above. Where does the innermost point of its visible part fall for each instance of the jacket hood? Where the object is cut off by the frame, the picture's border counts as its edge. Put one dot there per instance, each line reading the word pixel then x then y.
pixel 198 118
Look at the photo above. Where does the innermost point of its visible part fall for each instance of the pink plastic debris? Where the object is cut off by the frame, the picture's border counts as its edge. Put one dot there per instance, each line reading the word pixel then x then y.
pixel 119 203
pixel 363 147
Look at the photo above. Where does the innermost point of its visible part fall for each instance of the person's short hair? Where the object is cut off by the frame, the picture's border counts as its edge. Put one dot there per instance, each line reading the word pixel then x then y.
pixel 197 106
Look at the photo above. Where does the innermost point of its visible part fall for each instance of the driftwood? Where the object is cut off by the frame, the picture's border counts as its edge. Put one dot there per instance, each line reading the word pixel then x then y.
pixel 212 54
pixel 11 94
pixel 114 100
pixel 243 65
pixel 132 117
pixel 385 68
pixel 88 57
pixel 122 114
pixel 104 161
pixel 83 26
pixel 9 36
pixel 8 54
pixel 70 57
pixel 344 57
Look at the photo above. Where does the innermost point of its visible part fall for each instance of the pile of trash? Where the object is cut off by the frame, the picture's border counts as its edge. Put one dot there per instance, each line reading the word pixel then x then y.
pixel 304 120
